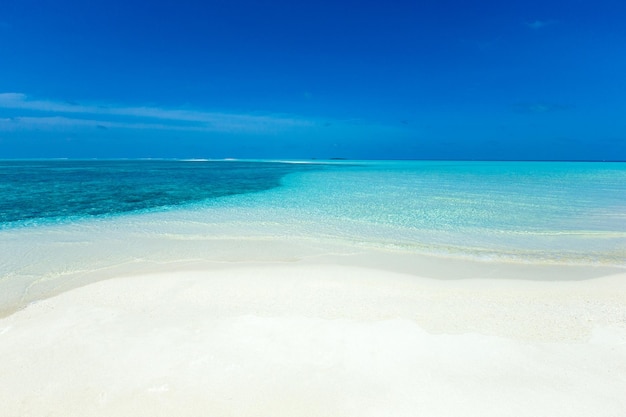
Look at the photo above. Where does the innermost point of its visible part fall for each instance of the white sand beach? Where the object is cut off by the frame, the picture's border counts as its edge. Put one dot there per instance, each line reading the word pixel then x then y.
pixel 371 334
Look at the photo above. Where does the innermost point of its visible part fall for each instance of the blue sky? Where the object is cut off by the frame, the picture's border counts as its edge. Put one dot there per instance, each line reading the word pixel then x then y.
pixel 287 79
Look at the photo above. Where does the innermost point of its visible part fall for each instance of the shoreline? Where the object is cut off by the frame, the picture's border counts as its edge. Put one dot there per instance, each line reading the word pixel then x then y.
pixel 604 292
pixel 229 253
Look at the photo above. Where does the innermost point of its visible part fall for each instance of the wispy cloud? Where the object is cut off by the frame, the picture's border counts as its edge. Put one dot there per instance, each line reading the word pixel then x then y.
pixel 64 123
pixel 143 117
pixel 540 24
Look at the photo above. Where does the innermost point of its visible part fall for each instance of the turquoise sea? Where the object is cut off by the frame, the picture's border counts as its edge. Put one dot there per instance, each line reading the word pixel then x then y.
pixel 63 220
pixel 566 212
pixel 43 191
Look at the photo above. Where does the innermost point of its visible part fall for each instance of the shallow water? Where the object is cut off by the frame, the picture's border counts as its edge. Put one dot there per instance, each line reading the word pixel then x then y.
pixel 573 212
pixel 567 212
pixel 231 212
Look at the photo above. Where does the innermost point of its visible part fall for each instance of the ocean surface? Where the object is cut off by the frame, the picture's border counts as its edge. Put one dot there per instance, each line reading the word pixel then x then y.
pixel 62 219
pixel 43 191
pixel 563 211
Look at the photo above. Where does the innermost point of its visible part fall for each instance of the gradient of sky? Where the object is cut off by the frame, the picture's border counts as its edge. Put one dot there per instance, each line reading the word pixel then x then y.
pixel 445 79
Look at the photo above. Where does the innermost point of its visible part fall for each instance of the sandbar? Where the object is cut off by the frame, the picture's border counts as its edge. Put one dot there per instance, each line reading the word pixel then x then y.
pixel 325 336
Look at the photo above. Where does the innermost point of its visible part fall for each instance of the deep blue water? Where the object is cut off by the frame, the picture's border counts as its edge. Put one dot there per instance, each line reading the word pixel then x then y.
pixel 56 190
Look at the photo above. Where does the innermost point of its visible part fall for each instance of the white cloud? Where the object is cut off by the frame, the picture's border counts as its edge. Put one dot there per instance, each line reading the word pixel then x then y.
pixel 63 123
pixel 21 113
pixel 168 119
